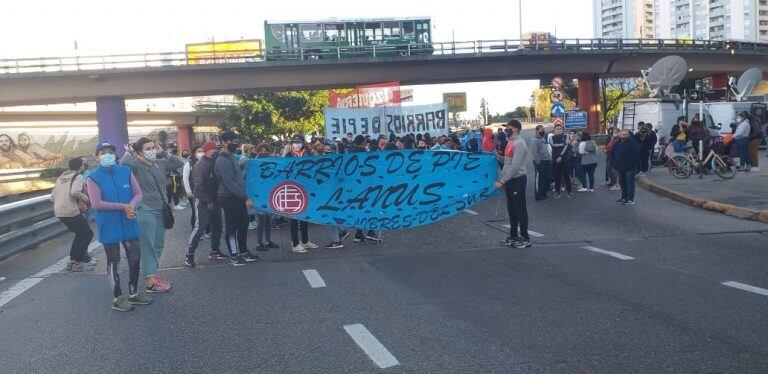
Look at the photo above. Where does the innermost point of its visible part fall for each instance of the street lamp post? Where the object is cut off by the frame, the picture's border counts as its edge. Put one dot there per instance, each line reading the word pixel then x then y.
pixel 520 17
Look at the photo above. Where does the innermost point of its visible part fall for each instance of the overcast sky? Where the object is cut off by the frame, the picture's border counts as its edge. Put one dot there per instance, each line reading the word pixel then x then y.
pixel 51 27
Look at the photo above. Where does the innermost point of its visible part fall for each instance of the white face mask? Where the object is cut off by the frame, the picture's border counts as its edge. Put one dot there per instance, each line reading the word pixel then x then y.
pixel 150 155
pixel 200 155
pixel 297 146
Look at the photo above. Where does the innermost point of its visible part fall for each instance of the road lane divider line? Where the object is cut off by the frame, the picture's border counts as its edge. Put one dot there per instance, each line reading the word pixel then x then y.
pixel 530 232
pixel 371 346
pixel 314 278
pixel 470 211
pixel 609 253
pixel 17 289
pixel 746 287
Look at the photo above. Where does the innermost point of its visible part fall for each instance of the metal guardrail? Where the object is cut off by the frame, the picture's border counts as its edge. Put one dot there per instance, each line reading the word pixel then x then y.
pixel 26 224
pixel 478 47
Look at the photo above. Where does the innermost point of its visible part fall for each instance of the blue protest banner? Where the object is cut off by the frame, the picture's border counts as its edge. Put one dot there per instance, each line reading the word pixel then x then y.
pixel 575 119
pixel 386 190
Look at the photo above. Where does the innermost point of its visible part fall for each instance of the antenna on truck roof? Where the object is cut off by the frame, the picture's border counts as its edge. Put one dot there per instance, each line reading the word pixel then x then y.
pixel 746 83
pixel 665 74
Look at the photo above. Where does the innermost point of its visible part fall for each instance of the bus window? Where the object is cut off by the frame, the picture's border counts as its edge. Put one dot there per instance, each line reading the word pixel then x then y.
pixel 334 32
pixel 422 30
pixel 311 32
pixel 373 31
pixel 408 32
pixel 277 32
pixel 392 30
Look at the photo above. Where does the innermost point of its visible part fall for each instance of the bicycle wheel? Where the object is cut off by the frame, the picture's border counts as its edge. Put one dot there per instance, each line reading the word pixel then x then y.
pixel 680 167
pixel 659 158
pixel 724 167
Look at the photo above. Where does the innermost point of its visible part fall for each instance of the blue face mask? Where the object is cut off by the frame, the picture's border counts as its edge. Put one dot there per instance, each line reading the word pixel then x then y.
pixel 107 160
pixel 238 156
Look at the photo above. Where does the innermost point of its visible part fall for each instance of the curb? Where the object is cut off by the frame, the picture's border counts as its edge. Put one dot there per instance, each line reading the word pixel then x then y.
pixel 711 205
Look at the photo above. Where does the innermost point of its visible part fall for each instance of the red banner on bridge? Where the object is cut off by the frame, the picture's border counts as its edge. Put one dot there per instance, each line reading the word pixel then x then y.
pixel 367 96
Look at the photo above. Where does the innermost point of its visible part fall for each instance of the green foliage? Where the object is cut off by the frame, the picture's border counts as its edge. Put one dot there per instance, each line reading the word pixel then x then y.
pixel 277 114
pixel 613 94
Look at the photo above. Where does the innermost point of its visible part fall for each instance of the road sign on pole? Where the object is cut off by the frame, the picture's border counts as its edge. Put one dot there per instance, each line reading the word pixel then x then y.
pixel 575 119
pixel 556 96
pixel 557 82
pixel 557 109
pixel 557 121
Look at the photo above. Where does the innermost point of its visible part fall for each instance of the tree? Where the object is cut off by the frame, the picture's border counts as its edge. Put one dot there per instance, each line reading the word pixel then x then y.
pixel 277 114
pixel 613 93
pixel 485 114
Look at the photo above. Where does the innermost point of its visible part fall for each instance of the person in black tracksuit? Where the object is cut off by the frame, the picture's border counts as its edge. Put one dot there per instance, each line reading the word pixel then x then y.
pixel 358 145
pixel 208 211
pixel 561 153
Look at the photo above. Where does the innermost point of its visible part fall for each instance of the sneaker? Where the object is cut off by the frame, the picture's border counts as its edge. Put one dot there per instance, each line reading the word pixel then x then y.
pixel 359 237
pixel 76 267
pixel 509 242
pixel 299 248
pixel 523 244
pixel 88 260
pixel 591 190
pixel 189 260
pixel 615 188
pixel 629 202
pixel 372 236
pixel 216 255
pixel 207 235
pixel 557 195
pixel 570 195
pixel 249 257
pixel 139 299
pixel 334 245
pixel 179 207
pixel 343 235
pixel 157 286
pixel 272 245
pixel 262 248
pixel 121 303
pixel 621 201
pixel 69 265
pixel 275 227
pixel 310 245
pixel 253 225
pixel 582 190
pixel 237 261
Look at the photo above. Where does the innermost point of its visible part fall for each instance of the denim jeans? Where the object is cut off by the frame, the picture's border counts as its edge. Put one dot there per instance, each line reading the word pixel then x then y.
pixel 627 181
pixel 742 145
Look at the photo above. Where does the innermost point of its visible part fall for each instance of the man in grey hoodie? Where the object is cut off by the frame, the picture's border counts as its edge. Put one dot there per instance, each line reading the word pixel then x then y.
pixel 542 162
pixel 69 203
pixel 513 179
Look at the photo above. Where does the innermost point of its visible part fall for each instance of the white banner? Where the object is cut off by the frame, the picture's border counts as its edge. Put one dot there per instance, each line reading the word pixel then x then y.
pixel 398 120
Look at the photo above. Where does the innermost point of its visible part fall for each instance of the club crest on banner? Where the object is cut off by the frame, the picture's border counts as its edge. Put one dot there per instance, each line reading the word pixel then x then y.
pixel 289 198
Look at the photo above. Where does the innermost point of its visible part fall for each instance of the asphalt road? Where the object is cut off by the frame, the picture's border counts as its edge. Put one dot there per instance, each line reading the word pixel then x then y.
pixel 646 297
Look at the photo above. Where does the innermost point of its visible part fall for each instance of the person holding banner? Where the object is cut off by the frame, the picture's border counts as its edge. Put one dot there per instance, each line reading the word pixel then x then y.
pixel 513 179
pixel 359 146
pixel 298 149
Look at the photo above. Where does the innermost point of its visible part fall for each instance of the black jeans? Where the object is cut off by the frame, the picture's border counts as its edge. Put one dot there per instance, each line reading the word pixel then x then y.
pixel 645 161
pixel 133 253
pixel 83 235
pixel 518 212
pixel 193 216
pixel 205 218
pixel 236 223
pixel 562 172
pixel 296 226
pixel 542 179
pixel 264 228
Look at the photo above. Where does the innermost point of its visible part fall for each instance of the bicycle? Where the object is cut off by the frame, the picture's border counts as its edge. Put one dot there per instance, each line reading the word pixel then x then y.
pixel 682 166
pixel 659 157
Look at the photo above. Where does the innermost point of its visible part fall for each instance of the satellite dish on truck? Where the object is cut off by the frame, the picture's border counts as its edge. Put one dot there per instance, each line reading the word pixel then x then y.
pixel 665 74
pixel 746 83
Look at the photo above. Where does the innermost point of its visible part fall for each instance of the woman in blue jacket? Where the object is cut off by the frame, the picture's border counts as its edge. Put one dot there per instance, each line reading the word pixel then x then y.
pixel 114 194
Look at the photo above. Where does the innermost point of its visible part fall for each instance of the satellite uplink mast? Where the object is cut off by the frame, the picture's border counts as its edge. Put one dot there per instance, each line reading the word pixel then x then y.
pixel 746 84
pixel 665 74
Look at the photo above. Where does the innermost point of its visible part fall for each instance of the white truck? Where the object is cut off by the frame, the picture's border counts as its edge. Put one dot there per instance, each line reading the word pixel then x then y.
pixel 724 112
pixel 662 113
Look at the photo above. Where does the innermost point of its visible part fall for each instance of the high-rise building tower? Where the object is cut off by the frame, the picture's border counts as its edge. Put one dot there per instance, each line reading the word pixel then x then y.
pixel 711 19
pixel 629 19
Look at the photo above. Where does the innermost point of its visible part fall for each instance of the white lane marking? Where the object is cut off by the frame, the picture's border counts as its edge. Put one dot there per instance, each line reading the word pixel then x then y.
pixel 314 278
pixel 470 211
pixel 609 253
pixel 746 287
pixel 371 346
pixel 17 289
pixel 27 283
pixel 530 232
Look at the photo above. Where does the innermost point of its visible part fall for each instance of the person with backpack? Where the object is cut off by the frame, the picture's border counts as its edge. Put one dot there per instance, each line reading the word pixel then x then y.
pixel 208 211
pixel 115 193
pixel 69 206
pixel 588 151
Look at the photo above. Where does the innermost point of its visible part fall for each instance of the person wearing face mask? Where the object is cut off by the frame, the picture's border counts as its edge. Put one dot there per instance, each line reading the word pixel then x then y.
pixel 205 187
pixel 69 205
pixel 173 182
pixel 300 244
pixel 561 156
pixel 186 178
pixel 513 179
pixel 626 160
pixel 741 137
pixel 542 163
pixel 114 193
pixel 233 200
pixel 610 173
pixel 150 164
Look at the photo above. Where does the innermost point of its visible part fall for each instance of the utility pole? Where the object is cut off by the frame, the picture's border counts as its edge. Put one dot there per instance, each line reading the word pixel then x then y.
pixel 520 17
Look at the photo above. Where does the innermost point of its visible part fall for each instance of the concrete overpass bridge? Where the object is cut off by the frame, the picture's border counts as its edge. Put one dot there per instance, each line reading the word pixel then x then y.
pixel 109 80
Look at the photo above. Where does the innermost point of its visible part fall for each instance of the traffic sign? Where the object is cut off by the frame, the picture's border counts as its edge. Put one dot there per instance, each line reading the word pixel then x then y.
pixel 556 96
pixel 557 121
pixel 575 119
pixel 557 82
pixel 557 109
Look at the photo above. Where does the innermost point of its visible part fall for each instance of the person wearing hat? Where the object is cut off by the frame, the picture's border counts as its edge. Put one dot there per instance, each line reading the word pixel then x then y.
pixel 513 179
pixel 208 211
pixel 300 244
pixel 150 164
pixel 114 193
pixel 233 200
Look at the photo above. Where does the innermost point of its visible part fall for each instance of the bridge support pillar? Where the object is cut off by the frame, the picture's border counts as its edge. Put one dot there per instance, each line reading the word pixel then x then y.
pixel 589 101
pixel 186 137
pixel 113 121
